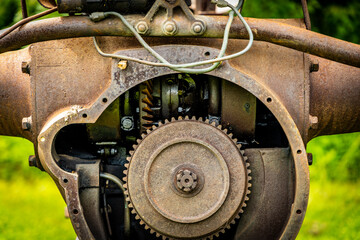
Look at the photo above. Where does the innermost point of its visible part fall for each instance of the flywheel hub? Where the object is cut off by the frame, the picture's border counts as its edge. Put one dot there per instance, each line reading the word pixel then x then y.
pixel 187 179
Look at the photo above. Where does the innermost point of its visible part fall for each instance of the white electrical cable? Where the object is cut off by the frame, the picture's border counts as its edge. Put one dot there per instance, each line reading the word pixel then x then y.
pixel 187 67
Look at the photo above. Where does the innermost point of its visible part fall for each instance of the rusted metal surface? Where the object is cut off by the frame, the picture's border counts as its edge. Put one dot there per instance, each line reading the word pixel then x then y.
pixel 15 93
pixel 238 110
pixel 121 82
pixel 272 194
pixel 334 99
pixel 164 157
pixel 47 3
pixel 264 30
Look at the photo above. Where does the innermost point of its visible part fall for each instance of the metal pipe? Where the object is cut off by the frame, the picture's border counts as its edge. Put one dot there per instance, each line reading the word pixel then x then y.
pixel 264 30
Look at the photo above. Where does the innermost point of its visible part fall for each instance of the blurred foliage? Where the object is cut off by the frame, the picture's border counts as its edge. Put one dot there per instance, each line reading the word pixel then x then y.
pixel 336 157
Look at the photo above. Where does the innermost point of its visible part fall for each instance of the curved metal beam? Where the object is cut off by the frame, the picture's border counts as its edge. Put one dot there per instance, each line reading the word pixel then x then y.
pixel 264 30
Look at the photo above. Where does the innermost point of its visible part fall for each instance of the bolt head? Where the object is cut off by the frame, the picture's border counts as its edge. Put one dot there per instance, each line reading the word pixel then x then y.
pixel 169 28
pixel 142 27
pixel 198 28
pixel 122 64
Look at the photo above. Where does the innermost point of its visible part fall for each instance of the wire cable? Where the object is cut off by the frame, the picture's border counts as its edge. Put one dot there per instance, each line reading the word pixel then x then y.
pixel 26 20
pixel 187 67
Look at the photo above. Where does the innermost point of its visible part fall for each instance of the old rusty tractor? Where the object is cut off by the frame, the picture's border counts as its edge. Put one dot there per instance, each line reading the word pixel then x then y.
pixel 162 119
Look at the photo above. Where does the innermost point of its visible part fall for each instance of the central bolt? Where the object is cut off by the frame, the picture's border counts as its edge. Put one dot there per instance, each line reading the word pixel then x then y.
pixel 186 180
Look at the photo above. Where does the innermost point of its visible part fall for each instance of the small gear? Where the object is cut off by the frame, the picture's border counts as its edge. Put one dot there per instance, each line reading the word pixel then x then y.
pixel 187 179
pixel 145 103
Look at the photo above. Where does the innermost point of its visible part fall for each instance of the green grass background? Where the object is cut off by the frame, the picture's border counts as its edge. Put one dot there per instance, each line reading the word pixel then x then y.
pixel 32 208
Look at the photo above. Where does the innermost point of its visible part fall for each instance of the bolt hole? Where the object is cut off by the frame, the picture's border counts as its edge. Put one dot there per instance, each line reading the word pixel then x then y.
pixel 299 151
pixel 269 100
pixel 187 180
pixel 75 211
pixel 298 211
pixel 207 54
pixel 104 100
pixel 65 180
pixel 84 115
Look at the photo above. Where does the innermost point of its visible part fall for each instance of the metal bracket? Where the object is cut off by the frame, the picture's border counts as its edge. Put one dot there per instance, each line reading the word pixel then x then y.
pixel 169 26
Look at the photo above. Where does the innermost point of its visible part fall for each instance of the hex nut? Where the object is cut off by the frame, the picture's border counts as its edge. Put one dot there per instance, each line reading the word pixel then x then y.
pixel 198 28
pixel 141 27
pixel 26 123
pixel 25 67
pixel 169 28
pixel 314 66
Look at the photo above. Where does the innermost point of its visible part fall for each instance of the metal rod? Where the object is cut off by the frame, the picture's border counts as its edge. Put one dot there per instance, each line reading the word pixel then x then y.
pixel 24 21
pixel 120 184
pixel 306 14
pixel 24 9
pixel 264 30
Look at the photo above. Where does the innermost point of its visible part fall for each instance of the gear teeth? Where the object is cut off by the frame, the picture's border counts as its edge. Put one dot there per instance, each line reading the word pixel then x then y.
pixel 124 179
pixel 238 145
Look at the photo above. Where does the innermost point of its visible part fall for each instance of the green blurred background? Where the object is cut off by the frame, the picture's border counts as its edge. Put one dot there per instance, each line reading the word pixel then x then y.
pixel 31 206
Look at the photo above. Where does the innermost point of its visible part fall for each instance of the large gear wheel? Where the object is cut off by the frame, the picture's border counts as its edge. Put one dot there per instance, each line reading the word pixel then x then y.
pixel 187 179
